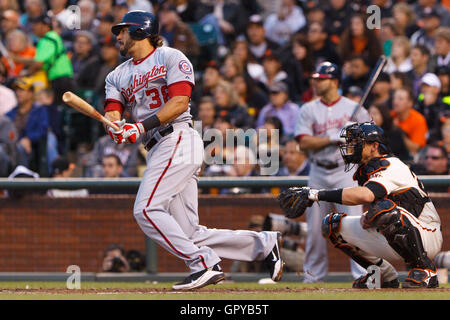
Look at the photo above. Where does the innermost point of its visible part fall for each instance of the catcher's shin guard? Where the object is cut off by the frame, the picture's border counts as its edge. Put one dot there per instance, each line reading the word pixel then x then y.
pixel 401 235
pixel 331 226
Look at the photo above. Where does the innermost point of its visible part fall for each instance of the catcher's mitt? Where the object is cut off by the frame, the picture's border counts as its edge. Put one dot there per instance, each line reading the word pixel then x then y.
pixel 294 201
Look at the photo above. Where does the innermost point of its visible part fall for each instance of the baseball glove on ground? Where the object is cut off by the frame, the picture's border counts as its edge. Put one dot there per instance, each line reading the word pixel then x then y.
pixel 294 201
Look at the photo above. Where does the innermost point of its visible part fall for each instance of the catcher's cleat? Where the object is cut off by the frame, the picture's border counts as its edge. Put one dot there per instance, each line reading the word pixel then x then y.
pixel 421 278
pixel 274 261
pixel 361 283
pixel 201 279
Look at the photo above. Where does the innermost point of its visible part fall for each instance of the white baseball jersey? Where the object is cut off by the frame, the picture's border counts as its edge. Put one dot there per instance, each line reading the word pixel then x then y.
pixel 142 85
pixel 396 178
pixel 320 119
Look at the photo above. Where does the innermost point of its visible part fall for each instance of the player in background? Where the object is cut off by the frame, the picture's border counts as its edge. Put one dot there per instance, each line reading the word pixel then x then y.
pixel 401 224
pixel 156 83
pixel 318 128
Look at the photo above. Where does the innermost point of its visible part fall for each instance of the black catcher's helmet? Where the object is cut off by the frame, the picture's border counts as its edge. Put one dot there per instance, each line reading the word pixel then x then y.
pixel 355 136
pixel 326 70
pixel 141 24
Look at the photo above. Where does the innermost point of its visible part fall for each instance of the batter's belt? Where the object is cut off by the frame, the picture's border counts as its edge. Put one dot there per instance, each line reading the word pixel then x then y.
pixel 162 133
pixel 329 165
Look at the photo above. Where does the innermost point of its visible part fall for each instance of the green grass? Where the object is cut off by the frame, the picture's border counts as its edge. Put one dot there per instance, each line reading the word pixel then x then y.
pixel 225 291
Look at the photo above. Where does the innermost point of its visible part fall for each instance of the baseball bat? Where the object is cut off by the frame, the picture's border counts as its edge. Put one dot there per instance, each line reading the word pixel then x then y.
pixel 369 85
pixel 85 108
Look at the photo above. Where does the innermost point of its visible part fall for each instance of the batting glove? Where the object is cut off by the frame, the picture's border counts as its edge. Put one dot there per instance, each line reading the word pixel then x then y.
pixel 132 132
pixel 117 136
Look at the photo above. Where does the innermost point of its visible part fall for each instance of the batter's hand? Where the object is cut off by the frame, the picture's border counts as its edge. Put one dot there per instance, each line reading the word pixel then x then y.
pixel 117 136
pixel 132 132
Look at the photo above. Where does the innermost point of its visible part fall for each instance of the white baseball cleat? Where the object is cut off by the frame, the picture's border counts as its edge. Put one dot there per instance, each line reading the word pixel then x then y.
pixel 201 279
pixel 274 261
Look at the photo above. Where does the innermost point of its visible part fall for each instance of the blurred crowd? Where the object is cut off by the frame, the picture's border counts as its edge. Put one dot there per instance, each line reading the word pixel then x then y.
pixel 252 60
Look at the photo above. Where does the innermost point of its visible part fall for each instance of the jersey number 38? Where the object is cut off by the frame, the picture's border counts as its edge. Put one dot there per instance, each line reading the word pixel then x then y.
pixel 156 96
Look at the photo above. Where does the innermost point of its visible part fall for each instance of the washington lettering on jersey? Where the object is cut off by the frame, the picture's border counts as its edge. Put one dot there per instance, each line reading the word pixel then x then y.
pixel 143 85
pixel 142 81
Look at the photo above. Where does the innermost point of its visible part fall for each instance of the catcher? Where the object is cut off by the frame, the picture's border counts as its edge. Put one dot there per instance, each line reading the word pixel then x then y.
pixel 401 223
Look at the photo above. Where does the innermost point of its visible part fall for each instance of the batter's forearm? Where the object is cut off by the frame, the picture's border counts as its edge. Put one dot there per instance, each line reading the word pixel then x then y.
pixel 173 108
pixel 113 115
pixel 314 143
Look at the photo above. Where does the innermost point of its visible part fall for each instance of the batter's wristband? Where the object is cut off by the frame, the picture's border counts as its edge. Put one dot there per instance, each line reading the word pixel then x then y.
pixel 151 122
pixel 334 195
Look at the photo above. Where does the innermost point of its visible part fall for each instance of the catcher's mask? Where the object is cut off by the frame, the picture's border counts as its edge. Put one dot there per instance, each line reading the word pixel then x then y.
pixel 356 135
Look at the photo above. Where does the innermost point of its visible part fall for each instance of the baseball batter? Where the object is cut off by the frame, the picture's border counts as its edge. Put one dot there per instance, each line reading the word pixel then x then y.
pixel 156 83
pixel 401 224
pixel 318 128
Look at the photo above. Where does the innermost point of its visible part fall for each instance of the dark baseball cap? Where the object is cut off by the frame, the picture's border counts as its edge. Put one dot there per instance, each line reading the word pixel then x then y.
pixel 106 18
pixel 255 19
pixel 444 69
pixel 42 18
pixel 59 165
pixel 429 12
pixel 278 87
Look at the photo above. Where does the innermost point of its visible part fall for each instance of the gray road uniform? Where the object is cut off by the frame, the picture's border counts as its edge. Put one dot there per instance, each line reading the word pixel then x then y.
pixel 327 172
pixel 166 206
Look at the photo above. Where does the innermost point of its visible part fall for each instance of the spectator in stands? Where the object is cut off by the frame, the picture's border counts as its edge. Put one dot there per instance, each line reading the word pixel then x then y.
pixel 442 47
pixel 232 66
pixel 272 129
pixel 109 60
pixel 338 13
pixel 436 163
pixel 210 79
pixel 299 65
pixel 424 5
pixel 8 99
pixel 9 22
pixel 88 21
pixel 282 25
pixel 445 132
pixel 31 122
pixel 44 98
pixel 273 71
pixel 359 40
pixel 33 9
pixel 250 95
pixel 420 56
pixel 83 55
pixel 412 122
pixel 258 42
pixel 359 68
pixel 228 17
pixel 120 8
pixel 295 162
pixel 381 116
pixel 443 73
pixel 381 91
pixel 399 80
pixel 112 166
pixel 430 104
pixel 50 57
pixel 227 105
pixel 281 107
pixel 8 139
pixel 387 34
pixel 104 8
pixel 62 168
pixel 399 59
pixel 354 93
pixel 177 33
pixel 105 23
pixel 206 114
pixel 425 36
pixel 405 18
pixel 315 14
pixel 322 48
pixel 127 153
pixel 17 43
pixel 241 51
